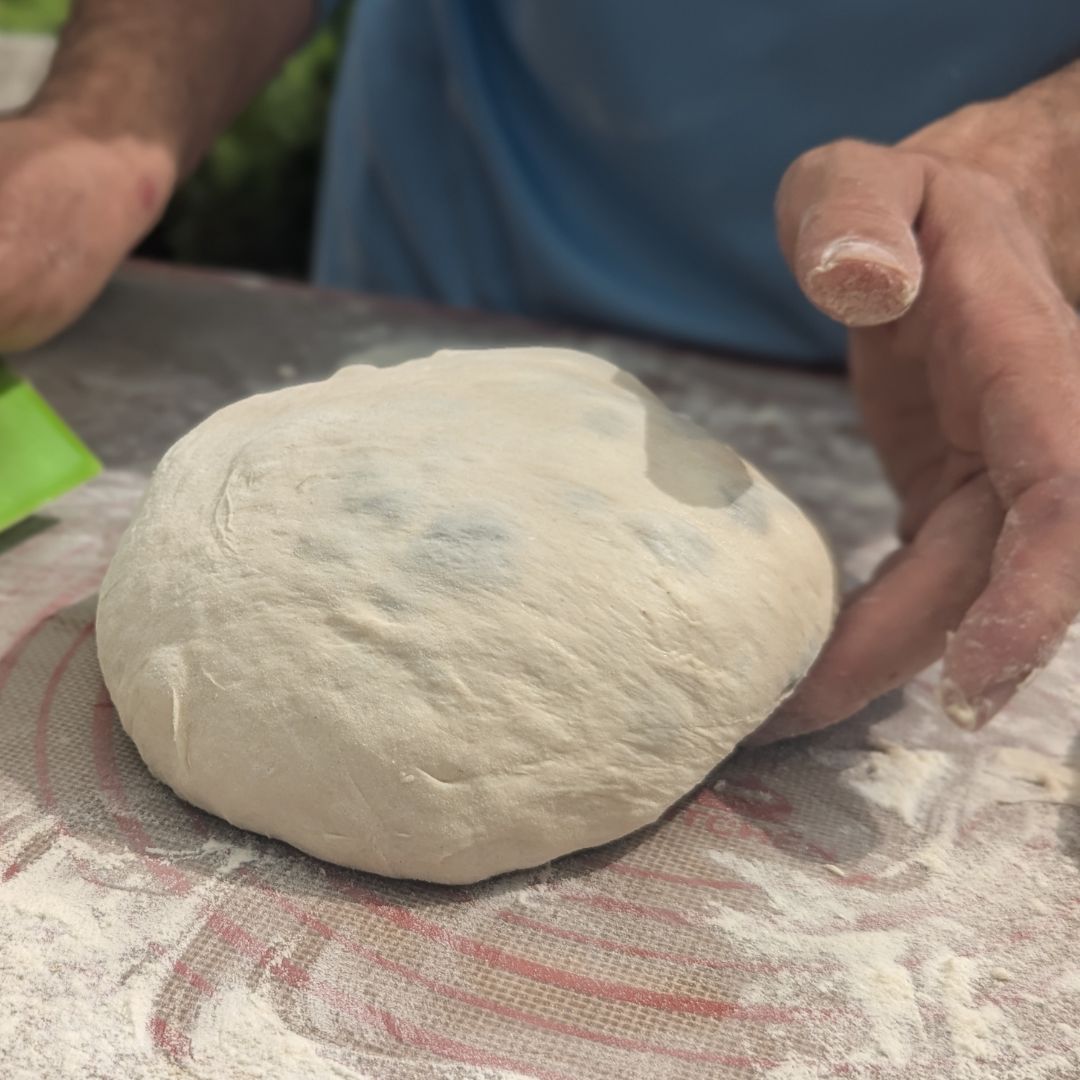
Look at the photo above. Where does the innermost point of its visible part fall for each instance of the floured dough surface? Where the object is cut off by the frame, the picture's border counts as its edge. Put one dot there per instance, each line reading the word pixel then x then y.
pixel 455 617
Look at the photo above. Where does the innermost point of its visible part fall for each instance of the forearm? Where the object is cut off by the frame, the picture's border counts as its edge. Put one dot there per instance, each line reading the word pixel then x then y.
pixel 1031 141
pixel 165 77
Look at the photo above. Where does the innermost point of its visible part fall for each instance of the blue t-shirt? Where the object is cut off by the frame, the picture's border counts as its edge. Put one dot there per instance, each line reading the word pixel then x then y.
pixel 615 161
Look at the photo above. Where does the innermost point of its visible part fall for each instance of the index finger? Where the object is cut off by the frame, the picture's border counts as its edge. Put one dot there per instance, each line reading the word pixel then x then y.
pixel 1006 375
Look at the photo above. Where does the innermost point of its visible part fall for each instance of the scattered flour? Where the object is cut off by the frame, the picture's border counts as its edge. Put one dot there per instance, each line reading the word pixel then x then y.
pixel 233 856
pixel 238 1028
pixel 899 778
pixel 70 1005
pixel 1034 776
pixel 973 1029
pixel 81 970
pixel 816 924
pixel 935 948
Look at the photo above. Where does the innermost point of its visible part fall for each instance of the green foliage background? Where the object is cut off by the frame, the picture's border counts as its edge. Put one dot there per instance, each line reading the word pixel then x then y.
pixel 41 16
pixel 250 203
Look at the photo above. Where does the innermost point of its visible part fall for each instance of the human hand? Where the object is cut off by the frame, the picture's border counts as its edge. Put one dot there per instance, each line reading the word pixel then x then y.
pixel 964 354
pixel 71 207
pixel 134 96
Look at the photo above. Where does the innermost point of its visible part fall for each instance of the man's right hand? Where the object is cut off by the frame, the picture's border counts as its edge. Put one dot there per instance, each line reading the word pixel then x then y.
pixel 71 207
pixel 135 95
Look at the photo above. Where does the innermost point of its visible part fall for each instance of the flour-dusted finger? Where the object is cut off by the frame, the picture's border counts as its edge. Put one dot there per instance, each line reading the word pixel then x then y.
pixel 897 625
pixel 845 215
pixel 1015 627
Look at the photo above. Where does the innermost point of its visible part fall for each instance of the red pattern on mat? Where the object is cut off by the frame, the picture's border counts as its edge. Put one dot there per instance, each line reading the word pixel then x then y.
pixel 605 989
pixel 400 1030
pixel 678 959
pixel 176 1043
pixel 509 1012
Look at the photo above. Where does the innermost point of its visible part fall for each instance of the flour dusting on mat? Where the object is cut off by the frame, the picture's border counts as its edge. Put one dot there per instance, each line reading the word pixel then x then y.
pixel 239 1028
pixel 959 947
pixel 898 778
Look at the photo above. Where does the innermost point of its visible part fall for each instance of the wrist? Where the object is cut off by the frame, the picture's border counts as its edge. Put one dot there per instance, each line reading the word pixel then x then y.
pixel 129 178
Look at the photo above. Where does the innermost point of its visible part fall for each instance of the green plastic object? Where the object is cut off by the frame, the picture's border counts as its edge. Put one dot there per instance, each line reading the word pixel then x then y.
pixel 40 456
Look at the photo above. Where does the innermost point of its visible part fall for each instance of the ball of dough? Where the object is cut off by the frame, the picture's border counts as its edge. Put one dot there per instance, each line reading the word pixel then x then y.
pixel 455 617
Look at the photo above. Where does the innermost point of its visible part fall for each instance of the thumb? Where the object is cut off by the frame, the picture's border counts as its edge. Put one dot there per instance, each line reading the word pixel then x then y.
pixel 844 217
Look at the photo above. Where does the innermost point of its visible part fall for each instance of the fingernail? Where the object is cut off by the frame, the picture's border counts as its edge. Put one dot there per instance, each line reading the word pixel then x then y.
pixel 974 711
pixel 860 282
pixel 956 706
pixel 854 247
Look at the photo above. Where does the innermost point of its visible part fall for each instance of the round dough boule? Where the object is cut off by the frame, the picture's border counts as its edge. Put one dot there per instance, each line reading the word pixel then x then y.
pixel 455 617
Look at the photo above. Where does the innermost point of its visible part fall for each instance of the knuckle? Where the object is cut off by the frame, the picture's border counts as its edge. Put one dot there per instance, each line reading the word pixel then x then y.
pixel 829 155
pixel 1048 505
pixel 808 163
pixel 960 182
pixel 1060 495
